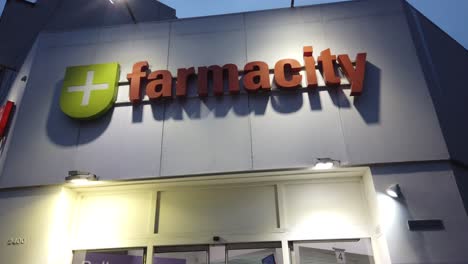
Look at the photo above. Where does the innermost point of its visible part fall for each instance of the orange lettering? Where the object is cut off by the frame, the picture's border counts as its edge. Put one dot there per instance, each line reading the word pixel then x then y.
pixel 355 76
pixel 280 74
pixel 138 73
pixel 182 77
pixel 309 63
pixel 161 79
pixel 217 76
pixel 327 61
pixel 256 76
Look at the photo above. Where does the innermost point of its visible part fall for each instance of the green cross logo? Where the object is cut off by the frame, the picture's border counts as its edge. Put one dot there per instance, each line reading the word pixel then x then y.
pixel 89 91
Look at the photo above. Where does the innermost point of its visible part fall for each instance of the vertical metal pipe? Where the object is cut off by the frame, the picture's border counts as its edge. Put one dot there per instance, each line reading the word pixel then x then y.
pixel 130 12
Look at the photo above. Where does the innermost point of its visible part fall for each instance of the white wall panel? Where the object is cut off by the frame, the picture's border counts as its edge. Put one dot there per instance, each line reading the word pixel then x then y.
pixel 208 24
pixel 106 220
pixel 44 139
pixel 129 44
pixel 244 209
pixel 394 119
pixel 115 34
pixel 211 135
pixel 281 34
pixel 326 209
pixel 429 192
pixel 15 94
pixel 207 41
pixel 273 18
pixel 39 216
pixel 69 38
pixel 126 143
pixel 293 129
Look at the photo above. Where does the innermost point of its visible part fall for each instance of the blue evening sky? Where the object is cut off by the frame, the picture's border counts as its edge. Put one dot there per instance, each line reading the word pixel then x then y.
pixel 449 15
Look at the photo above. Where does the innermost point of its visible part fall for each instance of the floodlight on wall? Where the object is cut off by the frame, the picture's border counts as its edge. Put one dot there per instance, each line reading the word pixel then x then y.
pixel 325 164
pixel 393 190
pixel 80 177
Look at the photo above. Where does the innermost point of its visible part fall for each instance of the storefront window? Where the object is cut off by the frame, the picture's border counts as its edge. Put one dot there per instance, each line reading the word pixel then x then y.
pixel 181 255
pixel 255 253
pixel 120 256
pixel 356 251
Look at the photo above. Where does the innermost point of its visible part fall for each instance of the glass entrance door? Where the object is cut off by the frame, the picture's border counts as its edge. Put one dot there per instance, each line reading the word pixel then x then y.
pixel 109 256
pixel 356 251
pixel 254 253
pixel 196 254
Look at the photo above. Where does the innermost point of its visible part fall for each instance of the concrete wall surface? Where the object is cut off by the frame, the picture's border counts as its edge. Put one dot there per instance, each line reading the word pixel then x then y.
pixel 392 121
pixel 429 191
pixel 443 62
pixel 40 218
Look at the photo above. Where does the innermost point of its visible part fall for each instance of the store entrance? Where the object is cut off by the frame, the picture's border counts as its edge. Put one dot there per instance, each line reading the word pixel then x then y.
pixel 237 253
pixel 350 251
pixel 259 219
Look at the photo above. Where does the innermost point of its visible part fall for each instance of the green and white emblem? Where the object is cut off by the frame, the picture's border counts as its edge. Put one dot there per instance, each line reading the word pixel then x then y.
pixel 89 91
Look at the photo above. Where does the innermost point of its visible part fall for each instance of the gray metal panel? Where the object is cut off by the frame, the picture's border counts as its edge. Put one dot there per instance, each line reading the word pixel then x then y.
pixel 69 38
pixel 429 192
pixel 43 145
pixel 394 119
pixel 292 129
pixel 270 44
pixel 444 62
pixel 461 176
pixel 18 32
pixel 21 21
pixel 273 18
pixel 288 129
pixel 207 41
pixel 132 43
pixel 362 8
pixel 126 143
pixel 280 34
pixel 209 135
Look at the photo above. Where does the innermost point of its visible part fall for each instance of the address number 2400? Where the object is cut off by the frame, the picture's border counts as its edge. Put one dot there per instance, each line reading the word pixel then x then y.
pixel 15 241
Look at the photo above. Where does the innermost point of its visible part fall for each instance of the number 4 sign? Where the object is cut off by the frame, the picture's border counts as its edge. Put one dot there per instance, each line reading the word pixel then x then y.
pixel 340 255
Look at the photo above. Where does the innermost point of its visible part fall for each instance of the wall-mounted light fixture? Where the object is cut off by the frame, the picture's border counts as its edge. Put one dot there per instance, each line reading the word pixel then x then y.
pixel 325 164
pixel 80 177
pixel 393 190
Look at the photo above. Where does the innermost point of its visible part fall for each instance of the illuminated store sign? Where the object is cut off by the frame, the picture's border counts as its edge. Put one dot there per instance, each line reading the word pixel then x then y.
pixel 89 91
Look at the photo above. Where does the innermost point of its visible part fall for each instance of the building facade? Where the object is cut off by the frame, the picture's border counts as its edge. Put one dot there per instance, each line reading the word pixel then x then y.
pixel 207 135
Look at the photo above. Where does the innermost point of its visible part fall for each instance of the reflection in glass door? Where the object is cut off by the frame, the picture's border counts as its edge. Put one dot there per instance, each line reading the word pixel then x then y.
pixel 255 253
pixel 197 254
pixel 355 251
pixel 111 256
